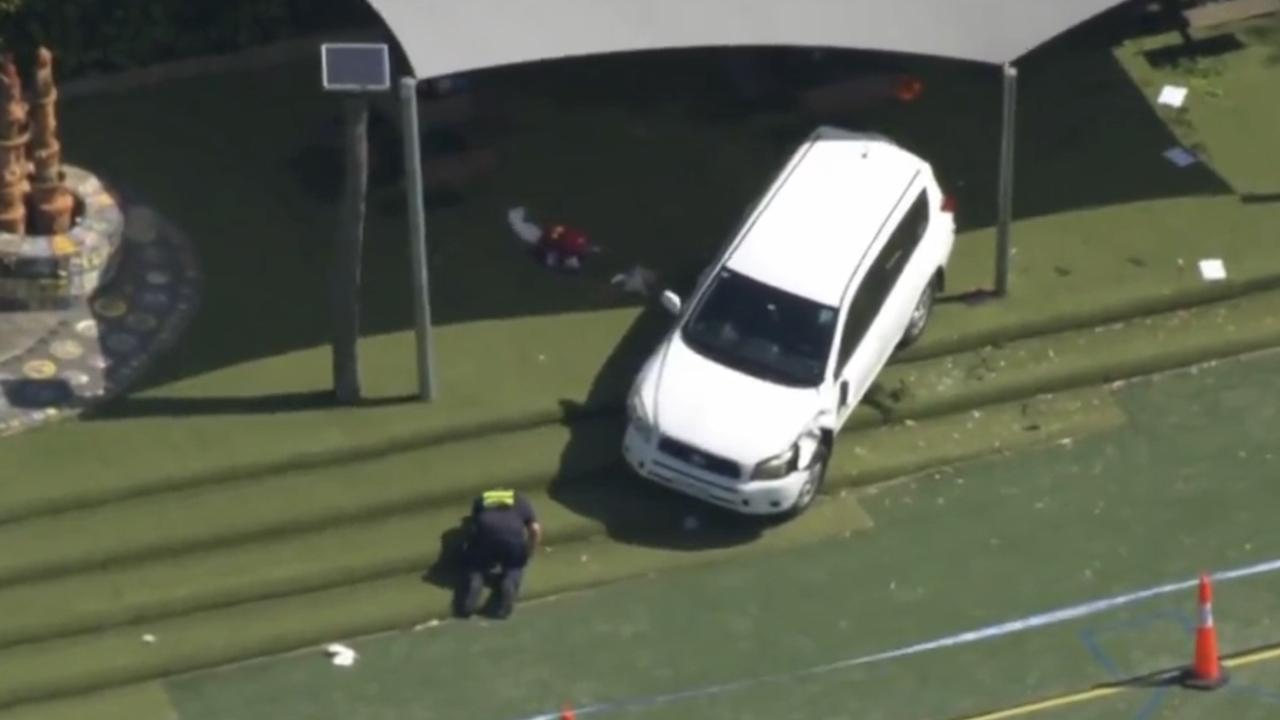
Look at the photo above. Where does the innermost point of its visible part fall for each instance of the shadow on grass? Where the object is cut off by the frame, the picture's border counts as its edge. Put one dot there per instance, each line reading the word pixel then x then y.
pixel 147 406
pixel 1259 198
pixel 633 147
pixel 1199 48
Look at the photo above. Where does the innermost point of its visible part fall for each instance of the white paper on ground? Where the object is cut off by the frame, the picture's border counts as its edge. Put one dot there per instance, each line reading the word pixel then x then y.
pixel 518 218
pixel 1180 156
pixel 341 655
pixel 638 279
pixel 1172 95
pixel 1212 269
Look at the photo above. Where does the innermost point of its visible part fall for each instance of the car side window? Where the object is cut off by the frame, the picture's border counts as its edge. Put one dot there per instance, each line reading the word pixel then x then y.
pixel 882 276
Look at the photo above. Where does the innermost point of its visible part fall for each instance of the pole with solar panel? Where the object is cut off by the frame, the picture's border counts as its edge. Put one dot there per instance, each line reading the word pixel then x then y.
pixel 357 70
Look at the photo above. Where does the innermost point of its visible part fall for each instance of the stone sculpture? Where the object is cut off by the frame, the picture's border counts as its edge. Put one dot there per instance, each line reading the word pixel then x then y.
pixel 52 203
pixel 13 140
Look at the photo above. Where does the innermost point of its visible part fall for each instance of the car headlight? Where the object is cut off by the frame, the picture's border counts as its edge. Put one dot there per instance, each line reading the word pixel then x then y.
pixel 787 461
pixel 778 466
pixel 638 417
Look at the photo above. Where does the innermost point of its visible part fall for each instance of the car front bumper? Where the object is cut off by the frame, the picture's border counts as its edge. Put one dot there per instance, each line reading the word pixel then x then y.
pixel 749 497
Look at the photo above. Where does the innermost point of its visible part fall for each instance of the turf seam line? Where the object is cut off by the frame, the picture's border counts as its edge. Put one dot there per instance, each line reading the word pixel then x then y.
pixel 905 468
pixel 1030 622
pixel 298 463
pixel 382 511
pixel 387 571
pixel 1188 299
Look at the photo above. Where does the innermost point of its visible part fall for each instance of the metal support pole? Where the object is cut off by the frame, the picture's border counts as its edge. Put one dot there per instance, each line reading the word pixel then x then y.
pixel 417 237
pixel 1004 205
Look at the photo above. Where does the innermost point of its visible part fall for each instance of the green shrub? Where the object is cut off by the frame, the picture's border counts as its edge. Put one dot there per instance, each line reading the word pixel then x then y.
pixel 92 36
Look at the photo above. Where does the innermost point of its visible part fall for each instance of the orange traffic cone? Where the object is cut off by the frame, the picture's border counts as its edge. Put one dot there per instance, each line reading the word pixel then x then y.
pixel 566 713
pixel 1206 673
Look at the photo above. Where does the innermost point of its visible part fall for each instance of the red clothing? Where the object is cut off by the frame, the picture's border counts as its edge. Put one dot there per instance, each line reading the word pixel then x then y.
pixel 569 242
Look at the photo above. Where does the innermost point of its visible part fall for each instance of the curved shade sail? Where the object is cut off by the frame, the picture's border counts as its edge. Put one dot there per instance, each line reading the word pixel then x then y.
pixel 442 37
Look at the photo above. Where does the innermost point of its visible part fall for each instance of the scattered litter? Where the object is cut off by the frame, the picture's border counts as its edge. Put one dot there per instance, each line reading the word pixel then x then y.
pixel 639 280
pixel 341 655
pixel 542 358
pixel 428 624
pixel 1180 156
pixel 1172 95
pixel 1213 269
pixel 149 638
pixel 583 558
pixel 561 247
pixel 690 523
pixel 528 232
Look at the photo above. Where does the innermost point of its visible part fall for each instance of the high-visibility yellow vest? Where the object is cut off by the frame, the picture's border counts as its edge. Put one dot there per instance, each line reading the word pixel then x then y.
pixel 498 498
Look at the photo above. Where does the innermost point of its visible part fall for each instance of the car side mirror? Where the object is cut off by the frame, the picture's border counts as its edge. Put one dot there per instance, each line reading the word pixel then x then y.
pixel 671 302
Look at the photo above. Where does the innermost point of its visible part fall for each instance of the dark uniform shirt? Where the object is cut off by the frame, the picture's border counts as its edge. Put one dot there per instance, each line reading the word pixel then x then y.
pixel 501 519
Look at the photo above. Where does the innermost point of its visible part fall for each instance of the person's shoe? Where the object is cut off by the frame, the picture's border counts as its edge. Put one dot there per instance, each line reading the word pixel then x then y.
pixel 506 598
pixel 505 606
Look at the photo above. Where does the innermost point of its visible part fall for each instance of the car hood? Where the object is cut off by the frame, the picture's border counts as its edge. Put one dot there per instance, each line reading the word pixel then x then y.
pixel 720 410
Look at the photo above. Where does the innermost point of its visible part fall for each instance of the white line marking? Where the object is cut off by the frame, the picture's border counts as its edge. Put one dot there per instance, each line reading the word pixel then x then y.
pixel 1052 617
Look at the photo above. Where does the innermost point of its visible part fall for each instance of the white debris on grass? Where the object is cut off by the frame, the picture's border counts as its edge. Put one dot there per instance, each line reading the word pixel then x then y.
pixel 149 639
pixel 1213 269
pixel 341 655
pixel 639 280
pixel 527 231
pixel 1172 95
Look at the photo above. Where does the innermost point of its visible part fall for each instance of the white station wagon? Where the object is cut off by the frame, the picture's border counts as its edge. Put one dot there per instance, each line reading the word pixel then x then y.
pixel 834 269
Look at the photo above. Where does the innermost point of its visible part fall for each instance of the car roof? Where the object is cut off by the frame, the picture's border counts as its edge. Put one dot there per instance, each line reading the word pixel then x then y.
pixel 823 213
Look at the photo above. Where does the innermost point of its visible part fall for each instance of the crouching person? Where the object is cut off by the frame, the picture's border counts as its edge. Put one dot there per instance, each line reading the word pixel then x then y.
pixel 502 534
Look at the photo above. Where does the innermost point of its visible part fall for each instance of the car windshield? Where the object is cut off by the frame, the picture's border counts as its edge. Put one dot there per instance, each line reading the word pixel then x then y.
pixel 762 331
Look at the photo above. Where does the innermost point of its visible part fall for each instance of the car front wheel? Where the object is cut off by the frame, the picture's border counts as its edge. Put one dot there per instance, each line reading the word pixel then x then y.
pixel 812 484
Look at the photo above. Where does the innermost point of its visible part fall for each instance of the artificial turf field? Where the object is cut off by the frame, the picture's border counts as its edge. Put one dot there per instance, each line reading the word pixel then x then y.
pixel 1188 484
pixel 264 473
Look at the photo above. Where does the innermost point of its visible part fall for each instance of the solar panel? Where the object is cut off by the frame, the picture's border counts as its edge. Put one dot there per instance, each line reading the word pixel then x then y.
pixel 355 67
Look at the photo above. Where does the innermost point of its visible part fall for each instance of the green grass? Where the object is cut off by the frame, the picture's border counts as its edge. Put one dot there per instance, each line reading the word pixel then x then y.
pixel 371 568
pixel 1105 221
pixel 988 542
pixel 117 655
pixel 233 513
pixel 136 702
pixel 77 571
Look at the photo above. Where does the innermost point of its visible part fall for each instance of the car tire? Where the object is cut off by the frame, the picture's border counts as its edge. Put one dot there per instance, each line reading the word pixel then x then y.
pixel 919 316
pixel 809 491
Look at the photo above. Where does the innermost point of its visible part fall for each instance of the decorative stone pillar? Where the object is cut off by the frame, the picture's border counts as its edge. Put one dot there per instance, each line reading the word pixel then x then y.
pixel 13 140
pixel 52 203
